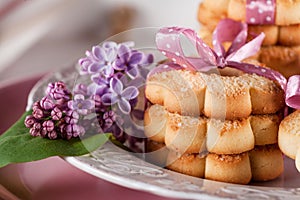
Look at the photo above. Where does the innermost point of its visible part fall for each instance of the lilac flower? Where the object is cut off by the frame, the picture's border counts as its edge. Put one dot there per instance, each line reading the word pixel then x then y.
pixel 36 105
pixel 137 82
pixel 54 116
pixel 46 103
pixel 94 89
pixel 100 79
pixel 120 96
pixel 62 104
pixel 72 130
pixel 56 113
pixel 52 135
pixel 147 60
pixel 99 60
pixel 80 89
pixel 109 118
pixel 99 107
pixel 58 91
pixel 116 72
pixel 81 105
pixel 29 121
pixel 35 130
pixel 48 125
pixel 128 61
pixel 46 128
pixel 71 117
pixel 97 100
pixel 38 113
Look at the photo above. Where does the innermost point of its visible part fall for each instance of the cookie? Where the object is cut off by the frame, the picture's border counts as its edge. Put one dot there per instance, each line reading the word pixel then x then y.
pixel 216 96
pixel 208 17
pixel 266 162
pixel 289 35
pixel 263 163
pixel 186 134
pixel 155 120
pixel 283 59
pixel 271 33
pixel 228 168
pixel 189 164
pixel 289 137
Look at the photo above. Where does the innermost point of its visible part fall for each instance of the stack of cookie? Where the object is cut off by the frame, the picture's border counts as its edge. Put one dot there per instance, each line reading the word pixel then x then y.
pixel 281 46
pixel 218 127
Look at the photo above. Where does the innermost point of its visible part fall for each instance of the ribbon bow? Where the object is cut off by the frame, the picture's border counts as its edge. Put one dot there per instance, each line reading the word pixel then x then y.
pixel 168 41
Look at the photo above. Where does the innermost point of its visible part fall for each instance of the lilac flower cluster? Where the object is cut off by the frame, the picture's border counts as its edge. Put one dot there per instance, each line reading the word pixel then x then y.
pixel 115 71
pixel 56 115
pixel 113 67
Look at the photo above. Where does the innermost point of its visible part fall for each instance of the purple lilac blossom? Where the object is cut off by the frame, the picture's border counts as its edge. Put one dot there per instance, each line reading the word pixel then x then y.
pixel 144 69
pixel 98 89
pixel 116 72
pixel 46 103
pixel 109 118
pixel 128 61
pixel 71 117
pixel 130 72
pixel 51 116
pixel 72 130
pixel 99 60
pixel 36 128
pixel 80 89
pixel 38 113
pixel 58 91
pixel 52 135
pixel 81 105
pixel 120 96
pixel 99 107
pixel 29 121
pixel 48 125
pixel 56 113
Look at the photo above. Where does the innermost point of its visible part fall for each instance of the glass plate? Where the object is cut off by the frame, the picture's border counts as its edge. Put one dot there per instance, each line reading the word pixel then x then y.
pixel 120 167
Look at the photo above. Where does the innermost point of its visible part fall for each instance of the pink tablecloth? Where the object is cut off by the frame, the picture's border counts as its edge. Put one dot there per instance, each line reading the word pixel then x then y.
pixel 51 178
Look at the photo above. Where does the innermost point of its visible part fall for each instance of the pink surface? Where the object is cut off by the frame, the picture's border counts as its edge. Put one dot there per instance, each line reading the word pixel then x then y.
pixel 51 178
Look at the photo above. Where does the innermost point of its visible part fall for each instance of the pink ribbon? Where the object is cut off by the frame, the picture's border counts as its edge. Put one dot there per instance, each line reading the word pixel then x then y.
pixel 169 42
pixel 260 12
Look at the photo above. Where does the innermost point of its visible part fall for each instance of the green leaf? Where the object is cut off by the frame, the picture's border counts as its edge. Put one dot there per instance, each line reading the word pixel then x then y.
pixel 17 145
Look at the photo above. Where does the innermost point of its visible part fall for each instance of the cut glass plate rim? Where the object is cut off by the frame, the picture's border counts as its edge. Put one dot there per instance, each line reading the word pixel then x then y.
pixel 120 167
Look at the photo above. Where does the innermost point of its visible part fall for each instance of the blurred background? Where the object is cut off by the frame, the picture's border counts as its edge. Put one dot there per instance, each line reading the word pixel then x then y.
pixel 42 36
pixel 38 36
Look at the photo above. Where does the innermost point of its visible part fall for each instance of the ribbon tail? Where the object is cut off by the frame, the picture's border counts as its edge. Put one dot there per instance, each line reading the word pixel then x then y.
pixel 292 96
pixel 261 71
